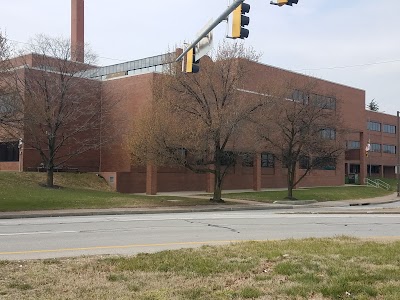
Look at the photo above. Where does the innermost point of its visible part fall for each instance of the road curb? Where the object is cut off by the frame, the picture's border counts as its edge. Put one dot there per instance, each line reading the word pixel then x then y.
pixel 54 214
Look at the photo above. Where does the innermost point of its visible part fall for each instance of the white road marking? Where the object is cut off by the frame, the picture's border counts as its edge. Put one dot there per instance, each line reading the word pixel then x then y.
pixel 35 233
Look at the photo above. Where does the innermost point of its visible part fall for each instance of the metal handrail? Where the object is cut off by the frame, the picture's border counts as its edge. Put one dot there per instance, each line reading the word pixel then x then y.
pixel 382 183
pixel 370 182
pixel 377 183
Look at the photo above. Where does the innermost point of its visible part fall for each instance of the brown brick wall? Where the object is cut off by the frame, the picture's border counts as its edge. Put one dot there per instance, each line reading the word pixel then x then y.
pixel 129 94
pixel 134 91
pixel 9 166
pixel 129 182
pixel 382 138
pixel 186 180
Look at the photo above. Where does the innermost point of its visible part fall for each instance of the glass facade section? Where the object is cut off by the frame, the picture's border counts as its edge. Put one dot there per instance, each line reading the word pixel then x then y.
pixel 140 66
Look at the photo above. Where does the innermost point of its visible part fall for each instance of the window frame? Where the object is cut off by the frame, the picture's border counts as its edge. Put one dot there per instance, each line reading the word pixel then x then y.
pixel 387 130
pixel 389 149
pixel 374 126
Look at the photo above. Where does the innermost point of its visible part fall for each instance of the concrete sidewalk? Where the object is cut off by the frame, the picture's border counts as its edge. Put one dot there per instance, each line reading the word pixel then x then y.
pixel 238 206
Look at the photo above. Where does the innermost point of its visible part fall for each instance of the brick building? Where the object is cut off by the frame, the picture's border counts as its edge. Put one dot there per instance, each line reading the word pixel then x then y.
pixel 380 132
pixel 131 83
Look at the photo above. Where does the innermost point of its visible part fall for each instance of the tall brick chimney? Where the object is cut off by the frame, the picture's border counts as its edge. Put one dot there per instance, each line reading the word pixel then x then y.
pixel 77 30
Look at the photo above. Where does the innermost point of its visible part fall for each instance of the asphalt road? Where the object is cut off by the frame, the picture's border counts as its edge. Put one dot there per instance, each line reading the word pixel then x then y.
pixel 129 234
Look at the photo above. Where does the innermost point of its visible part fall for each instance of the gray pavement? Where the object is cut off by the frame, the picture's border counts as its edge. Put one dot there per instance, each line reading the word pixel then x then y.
pixel 375 205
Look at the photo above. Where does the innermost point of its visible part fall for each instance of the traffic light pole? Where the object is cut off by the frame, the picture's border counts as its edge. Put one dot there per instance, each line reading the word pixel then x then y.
pixel 206 31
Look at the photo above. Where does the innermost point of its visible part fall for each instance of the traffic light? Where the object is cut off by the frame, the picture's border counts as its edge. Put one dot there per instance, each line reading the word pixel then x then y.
pixel 191 63
pixel 239 20
pixel 285 2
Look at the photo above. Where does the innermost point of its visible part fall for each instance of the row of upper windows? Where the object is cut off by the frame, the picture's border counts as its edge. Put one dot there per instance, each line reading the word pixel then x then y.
pixel 315 99
pixel 376 126
pixel 374 147
pixel 391 149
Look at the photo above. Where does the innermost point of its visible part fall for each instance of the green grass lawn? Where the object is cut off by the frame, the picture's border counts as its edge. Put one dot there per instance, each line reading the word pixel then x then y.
pixel 391 181
pixel 23 191
pixel 318 193
pixel 337 268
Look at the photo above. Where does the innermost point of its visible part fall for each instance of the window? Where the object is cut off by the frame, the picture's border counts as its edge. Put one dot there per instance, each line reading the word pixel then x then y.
pixel 247 159
pixel 304 162
pixel 331 103
pixel 228 158
pixel 181 153
pixel 373 169
pixel 6 103
pixel 374 126
pixel 353 145
pixel 389 128
pixel 267 160
pixel 9 151
pixel 323 101
pixel 328 134
pixel 178 154
pixel 300 96
pixel 389 149
pixel 324 163
pixel 354 168
pixel 375 148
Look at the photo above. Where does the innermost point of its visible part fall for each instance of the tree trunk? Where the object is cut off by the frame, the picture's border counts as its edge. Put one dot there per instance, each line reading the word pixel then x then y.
pixel 291 178
pixel 290 192
pixel 217 195
pixel 50 177
pixel 217 185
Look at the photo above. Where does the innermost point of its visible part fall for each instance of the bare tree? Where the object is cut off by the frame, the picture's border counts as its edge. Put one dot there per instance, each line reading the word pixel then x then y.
pixel 200 121
pixel 9 102
pixel 305 131
pixel 61 107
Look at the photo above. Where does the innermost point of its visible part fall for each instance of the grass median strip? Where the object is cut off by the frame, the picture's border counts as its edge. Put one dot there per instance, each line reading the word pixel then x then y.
pixel 337 268
pixel 318 193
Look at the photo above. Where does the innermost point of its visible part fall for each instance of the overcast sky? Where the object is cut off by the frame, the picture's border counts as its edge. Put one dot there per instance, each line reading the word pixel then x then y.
pixel 356 43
